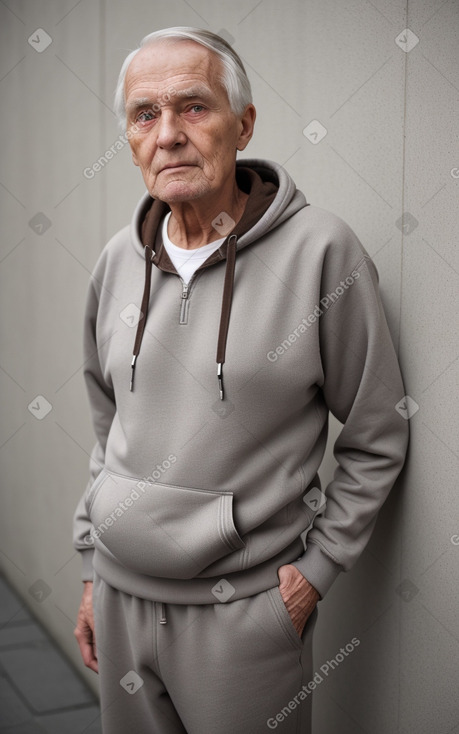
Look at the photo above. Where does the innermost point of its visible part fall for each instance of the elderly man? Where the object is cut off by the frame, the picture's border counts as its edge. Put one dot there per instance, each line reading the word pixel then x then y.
pixel 204 481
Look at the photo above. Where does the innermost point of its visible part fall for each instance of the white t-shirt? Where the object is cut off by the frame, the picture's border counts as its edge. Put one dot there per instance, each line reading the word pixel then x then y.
pixel 186 262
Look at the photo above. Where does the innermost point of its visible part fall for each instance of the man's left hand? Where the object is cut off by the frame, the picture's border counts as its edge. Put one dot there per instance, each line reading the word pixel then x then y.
pixel 299 596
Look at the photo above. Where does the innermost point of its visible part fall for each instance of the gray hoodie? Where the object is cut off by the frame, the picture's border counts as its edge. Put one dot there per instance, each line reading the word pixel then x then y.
pixel 204 475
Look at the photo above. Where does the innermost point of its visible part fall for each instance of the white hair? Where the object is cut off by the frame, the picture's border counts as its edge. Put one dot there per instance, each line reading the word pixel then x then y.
pixel 233 77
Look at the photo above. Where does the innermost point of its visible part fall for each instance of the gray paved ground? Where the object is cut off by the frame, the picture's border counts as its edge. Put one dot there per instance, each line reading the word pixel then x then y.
pixel 39 690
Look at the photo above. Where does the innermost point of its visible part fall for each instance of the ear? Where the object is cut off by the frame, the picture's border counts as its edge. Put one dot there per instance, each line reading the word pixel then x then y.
pixel 247 123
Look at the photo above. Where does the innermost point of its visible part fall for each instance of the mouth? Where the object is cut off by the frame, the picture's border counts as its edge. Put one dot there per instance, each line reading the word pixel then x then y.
pixel 175 166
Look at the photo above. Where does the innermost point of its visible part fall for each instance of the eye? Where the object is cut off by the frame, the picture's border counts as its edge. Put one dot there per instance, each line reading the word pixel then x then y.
pixel 145 116
pixel 197 108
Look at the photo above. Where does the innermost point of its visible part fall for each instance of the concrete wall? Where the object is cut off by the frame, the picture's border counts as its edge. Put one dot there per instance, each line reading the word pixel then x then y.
pixel 390 149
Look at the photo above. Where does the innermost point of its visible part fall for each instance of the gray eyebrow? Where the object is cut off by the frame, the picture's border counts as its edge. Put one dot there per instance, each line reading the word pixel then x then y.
pixel 139 102
pixel 197 90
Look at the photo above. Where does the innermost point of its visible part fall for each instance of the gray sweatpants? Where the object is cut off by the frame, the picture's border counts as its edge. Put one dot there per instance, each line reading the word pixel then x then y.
pixel 227 668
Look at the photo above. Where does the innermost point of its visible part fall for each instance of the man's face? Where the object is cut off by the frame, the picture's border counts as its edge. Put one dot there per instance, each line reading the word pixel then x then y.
pixel 182 132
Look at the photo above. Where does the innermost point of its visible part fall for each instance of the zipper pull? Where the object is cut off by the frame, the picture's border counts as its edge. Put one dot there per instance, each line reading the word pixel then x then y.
pixel 163 618
pixel 184 303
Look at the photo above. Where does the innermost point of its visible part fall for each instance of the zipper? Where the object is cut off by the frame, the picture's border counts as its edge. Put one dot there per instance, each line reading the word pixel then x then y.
pixel 184 303
pixel 185 298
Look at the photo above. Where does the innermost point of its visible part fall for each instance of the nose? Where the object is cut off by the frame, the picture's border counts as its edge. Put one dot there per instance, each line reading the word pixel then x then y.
pixel 169 130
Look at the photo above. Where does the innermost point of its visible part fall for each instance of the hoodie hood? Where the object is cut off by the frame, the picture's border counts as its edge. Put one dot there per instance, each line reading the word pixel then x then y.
pixel 251 173
pixel 273 198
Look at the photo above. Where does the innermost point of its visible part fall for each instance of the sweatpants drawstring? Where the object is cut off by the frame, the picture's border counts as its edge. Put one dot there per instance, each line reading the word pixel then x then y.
pixel 162 619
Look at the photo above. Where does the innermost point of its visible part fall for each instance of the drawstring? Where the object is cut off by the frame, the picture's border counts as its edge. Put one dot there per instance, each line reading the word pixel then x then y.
pixel 262 188
pixel 226 310
pixel 224 318
pixel 162 619
pixel 149 254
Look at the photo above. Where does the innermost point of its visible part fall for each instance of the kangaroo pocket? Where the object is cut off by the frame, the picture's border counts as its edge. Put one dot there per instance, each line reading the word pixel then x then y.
pixel 160 529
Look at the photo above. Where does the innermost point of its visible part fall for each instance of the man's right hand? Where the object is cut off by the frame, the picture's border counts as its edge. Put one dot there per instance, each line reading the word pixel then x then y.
pixel 84 630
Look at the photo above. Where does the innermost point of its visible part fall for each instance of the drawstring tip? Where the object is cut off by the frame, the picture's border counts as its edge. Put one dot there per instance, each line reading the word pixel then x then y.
pixel 220 379
pixel 131 384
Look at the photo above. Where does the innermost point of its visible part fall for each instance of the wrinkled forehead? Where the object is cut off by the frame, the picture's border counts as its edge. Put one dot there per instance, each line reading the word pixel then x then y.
pixel 171 62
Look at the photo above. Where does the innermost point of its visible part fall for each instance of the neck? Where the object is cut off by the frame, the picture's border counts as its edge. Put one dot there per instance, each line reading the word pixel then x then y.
pixel 190 224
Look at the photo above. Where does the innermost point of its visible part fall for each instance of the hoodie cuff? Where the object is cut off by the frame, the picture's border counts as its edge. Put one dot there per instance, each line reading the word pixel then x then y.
pixel 87 571
pixel 317 568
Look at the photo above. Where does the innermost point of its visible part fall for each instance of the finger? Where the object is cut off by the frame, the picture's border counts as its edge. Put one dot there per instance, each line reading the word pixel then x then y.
pixel 86 643
pixel 89 659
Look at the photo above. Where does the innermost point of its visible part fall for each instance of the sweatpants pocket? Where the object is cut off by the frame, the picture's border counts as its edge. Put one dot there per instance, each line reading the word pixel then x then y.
pixel 162 530
pixel 283 617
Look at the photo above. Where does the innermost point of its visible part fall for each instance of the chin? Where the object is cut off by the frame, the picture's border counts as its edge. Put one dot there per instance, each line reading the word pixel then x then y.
pixel 179 192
